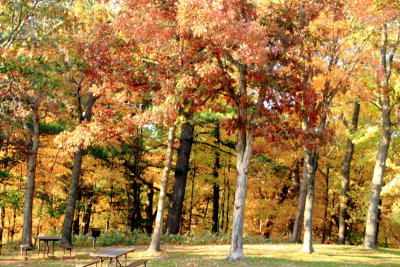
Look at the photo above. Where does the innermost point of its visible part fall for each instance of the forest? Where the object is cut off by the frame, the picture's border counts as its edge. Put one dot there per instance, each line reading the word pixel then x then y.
pixel 275 119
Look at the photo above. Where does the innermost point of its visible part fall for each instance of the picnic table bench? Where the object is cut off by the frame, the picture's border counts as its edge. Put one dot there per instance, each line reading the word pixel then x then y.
pixel 67 247
pixel 89 263
pixel 112 254
pixel 46 240
pixel 137 263
pixel 25 248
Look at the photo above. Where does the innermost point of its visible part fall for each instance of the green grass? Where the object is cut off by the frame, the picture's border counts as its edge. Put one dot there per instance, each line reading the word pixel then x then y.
pixel 258 255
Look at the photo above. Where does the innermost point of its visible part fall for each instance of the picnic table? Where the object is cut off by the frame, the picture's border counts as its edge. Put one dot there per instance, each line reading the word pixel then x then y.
pixel 46 240
pixel 112 254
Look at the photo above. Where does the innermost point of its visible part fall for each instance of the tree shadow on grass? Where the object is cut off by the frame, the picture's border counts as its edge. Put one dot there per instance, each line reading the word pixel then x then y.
pixel 389 251
pixel 272 262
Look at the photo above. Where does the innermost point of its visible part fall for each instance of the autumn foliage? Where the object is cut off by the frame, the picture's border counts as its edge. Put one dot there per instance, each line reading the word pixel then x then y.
pixel 283 101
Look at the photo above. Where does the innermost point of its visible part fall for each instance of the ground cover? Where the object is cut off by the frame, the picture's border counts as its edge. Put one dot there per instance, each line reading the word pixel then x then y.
pixel 214 255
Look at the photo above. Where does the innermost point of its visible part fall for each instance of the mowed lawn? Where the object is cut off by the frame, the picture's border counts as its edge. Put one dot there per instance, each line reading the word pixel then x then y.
pixel 214 255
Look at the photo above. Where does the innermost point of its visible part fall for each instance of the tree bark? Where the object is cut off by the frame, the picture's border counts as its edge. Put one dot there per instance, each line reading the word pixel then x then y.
pixel 244 147
pixel 181 172
pixel 2 221
pixel 86 218
pixel 310 161
pixel 191 200
pixel 326 206
pixel 13 224
pixel 30 183
pixel 244 151
pixel 66 233
pixel 149 210
pixel 222 205
pixel 156 236
pixel 370 238
pixel 296 178
pixel 228 199
pixel 76 223
pixel 136 211
pixel 346 177
pixel 298 223
pixel 216 189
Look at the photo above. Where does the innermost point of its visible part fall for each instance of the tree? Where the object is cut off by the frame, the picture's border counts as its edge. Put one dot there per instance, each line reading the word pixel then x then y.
pixel 327 71
pixel 29 75
pixel 84 117
pixel 246 52
pixel 87 72
pixel 346 175
pixel 181 173
pixel 157 232
pixel 385 102
pixel 298 223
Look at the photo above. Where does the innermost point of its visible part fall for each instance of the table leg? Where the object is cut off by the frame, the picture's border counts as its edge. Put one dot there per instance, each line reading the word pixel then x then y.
pixel 46 248
pixel 53 248
pixel 38 247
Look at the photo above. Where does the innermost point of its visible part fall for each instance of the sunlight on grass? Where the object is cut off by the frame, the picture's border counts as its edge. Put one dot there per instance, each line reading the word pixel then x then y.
pixel 214 255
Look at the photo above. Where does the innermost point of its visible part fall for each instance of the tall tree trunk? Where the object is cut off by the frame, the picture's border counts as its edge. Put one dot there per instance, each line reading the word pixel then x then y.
pixel 66 233
pixel 191 199
pixel 149 210
pixel 110 211
pixel 77 221
pixel 330 218
pixel 2 217
pixel 2 221
pixel 86 218
pixel 301 202
pixel 13 224
pixel 30 183
pixel 222 211
pixel 181 172
pixel 156 236
pixel 296 178
pixel 228 198
pixel 370 238
pixel 310 161
pixel 136 212
pixel 326 205
pixel 387 54
pixel 215 215
pixel 216 190
pixel 346 177
pixel 244 151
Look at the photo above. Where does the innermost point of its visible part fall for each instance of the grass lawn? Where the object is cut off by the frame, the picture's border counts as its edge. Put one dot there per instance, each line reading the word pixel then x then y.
pixel 214 255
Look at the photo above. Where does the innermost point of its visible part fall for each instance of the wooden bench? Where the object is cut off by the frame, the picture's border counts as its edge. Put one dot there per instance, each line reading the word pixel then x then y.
pixel 66 247
pixel 137 263
pixel 90 263
pixel 25 248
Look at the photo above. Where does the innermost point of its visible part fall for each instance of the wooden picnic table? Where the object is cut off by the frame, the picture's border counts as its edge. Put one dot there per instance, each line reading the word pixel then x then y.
pixel 46 240
pixel 112 254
